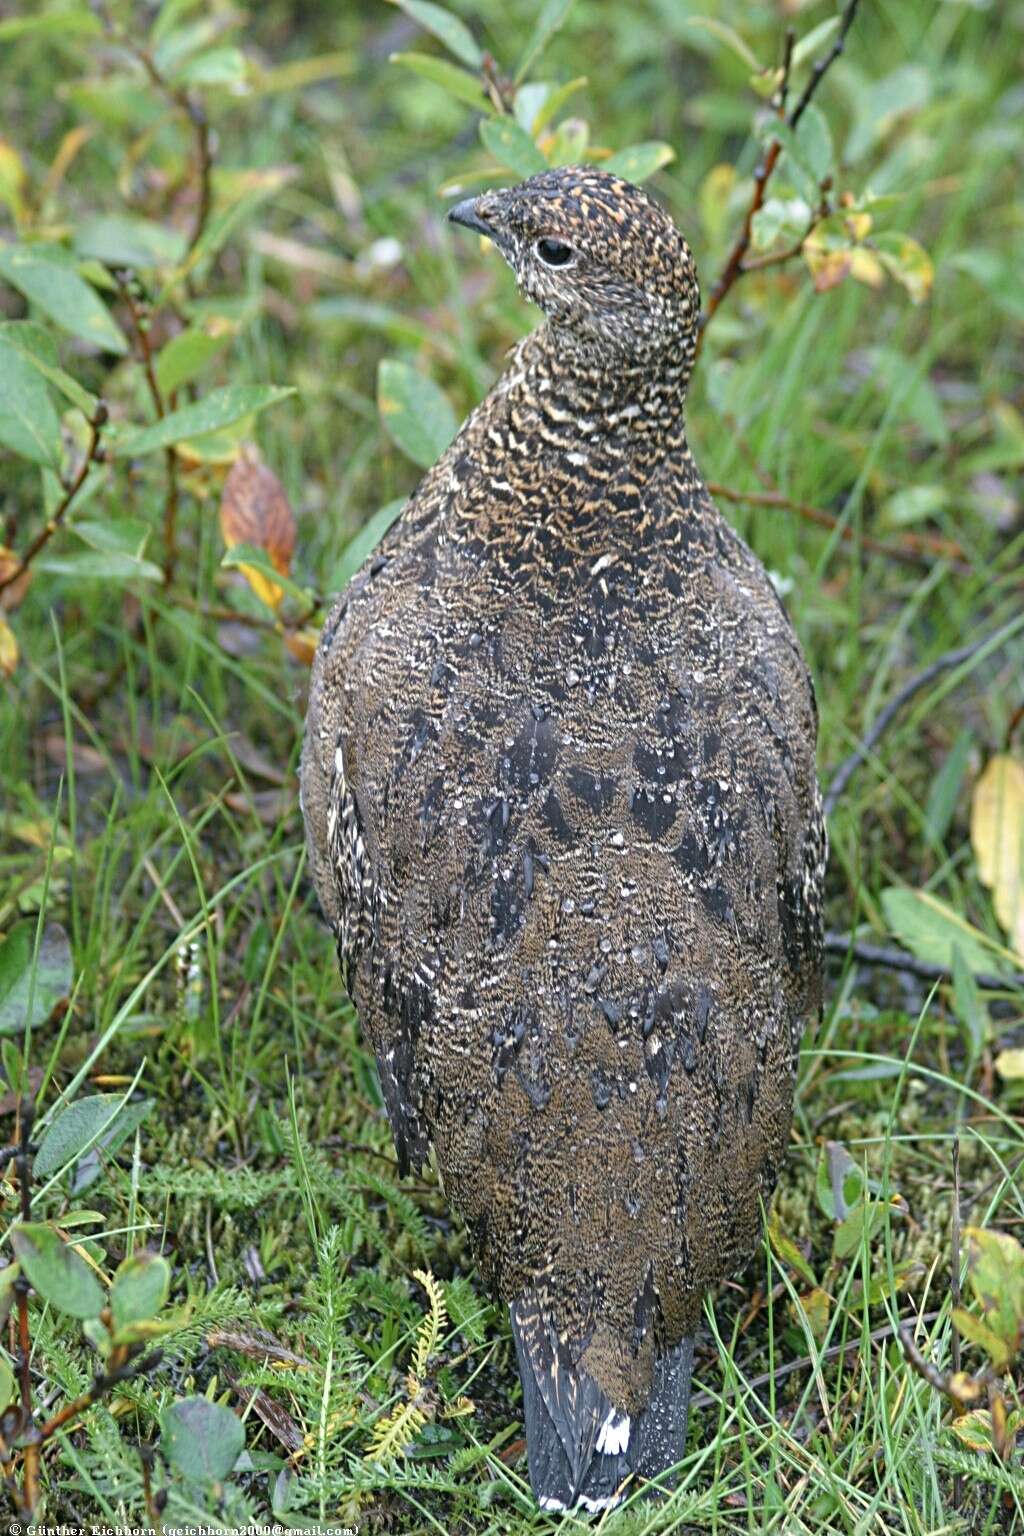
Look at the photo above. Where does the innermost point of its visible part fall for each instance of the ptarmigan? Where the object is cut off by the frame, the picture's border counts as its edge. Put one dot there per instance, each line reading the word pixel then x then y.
pixel 562 814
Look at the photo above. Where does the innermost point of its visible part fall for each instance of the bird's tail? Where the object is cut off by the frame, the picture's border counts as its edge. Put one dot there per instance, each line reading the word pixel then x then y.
pixel 582 1450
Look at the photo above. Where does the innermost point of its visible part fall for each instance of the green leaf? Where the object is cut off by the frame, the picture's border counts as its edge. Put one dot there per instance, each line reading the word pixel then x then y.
pixel 455 35
pixel 511 145
pixel 457 82
pixel 366 540
pixel 184 357
pixel 553 102
pixel 47 277
pixel 67 21
pixel 253 556
pixel 121 241
pixel 995 1268
pixel 77 1127
pixel 812 40
pixel 36 346
pixel 731 38
pixel 225 66
pixel 8 1275
pixel 970 1009
pixel 53 975
pixel 56 1271
pixel 99 565
pixel 640 160
pixel 211 414
pixel 14 1066
pixel 140 1289
pixel 6 1384
pixel 945 788
pixel 29 425
pixel 416 414
pixel 972 1328
pixel 929 929
pixel 908 262
pixel 200 1439
pixel 118 535
pixel 786 1250
pixel 863 1223
pixel 839 1181
pixel 551 19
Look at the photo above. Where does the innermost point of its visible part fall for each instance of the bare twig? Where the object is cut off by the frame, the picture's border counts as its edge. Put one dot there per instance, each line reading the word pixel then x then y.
pixel 126 1370
pixel 140 329
pixel 848 767
pixel 911 549
pixel 898 960
pixel 735 261
pixel 23 1164
pixel 92 456
pixel 191 108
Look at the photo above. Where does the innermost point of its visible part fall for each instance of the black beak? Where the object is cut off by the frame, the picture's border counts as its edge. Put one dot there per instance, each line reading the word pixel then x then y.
pixel 465 213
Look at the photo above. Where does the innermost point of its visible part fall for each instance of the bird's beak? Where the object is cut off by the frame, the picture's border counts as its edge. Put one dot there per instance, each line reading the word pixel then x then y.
pixel 465 213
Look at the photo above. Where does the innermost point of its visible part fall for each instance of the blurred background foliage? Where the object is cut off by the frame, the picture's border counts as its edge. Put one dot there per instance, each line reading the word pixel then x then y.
pixel 233 327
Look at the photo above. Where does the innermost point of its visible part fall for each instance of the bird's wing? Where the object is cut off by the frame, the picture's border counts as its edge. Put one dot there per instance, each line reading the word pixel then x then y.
pixel 341 853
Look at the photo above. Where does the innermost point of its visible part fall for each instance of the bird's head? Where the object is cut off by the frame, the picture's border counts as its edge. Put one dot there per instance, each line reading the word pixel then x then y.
pixel 599 256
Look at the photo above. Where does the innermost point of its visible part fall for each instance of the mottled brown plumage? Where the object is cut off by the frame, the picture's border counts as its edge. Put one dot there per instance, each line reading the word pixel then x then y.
pixel 562 814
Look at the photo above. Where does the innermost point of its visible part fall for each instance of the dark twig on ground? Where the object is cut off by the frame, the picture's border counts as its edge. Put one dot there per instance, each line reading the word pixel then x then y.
pixel 92 456
pixel 734 263
pixel 848 767
pixel 845 944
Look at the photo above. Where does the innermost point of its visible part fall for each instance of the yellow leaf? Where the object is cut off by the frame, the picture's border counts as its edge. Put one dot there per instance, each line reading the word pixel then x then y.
pixel 8 649
pixel 13 181
pixel 302 644
pixel 1010 1064
pixel 997 837
pixel 866 267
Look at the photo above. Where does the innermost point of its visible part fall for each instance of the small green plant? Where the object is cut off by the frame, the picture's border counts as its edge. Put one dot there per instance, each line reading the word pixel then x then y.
pixel 120 1318
pixel 395 1431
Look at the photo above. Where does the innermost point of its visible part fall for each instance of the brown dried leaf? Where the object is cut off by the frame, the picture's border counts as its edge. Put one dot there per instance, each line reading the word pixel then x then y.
pixel 255 510
pixel 277 1419
pixel 257 1343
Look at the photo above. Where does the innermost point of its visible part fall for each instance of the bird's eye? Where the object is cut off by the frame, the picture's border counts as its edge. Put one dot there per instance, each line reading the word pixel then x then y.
pixel 554 253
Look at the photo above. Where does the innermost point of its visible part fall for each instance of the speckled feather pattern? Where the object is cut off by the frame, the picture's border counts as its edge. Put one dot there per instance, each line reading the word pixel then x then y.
pixel 562 813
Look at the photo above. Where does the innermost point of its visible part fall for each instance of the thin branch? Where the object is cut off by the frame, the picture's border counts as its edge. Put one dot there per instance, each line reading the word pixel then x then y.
pixel 102 1384
pixel 140 328
pixel 848 767
pixel 848 947
pixel 192 109
pixel 92 456
pixel 735 261
pixel 910 549
pixel 23 1164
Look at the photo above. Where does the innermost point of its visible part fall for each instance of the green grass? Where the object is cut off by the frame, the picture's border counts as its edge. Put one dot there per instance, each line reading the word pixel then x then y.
pixel 148 798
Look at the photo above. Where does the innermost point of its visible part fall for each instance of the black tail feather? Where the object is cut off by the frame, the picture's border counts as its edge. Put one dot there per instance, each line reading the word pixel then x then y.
pixel 581 1448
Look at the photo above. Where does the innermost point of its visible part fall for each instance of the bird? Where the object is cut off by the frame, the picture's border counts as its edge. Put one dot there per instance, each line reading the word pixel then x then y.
pixel 562 815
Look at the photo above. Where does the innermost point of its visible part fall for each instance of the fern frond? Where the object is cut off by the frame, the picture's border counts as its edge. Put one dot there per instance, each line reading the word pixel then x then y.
pixel 392 1435
pixel 432 1326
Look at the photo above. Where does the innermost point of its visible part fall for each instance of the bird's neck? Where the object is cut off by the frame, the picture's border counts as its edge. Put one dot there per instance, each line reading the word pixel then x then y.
pixel 584 399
